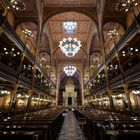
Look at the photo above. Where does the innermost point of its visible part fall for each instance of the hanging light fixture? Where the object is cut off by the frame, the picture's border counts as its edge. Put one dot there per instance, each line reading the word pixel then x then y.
pixel 126 5
pixel 112 33
pixel 28 33
pixel 70 46
pixel 11 52
pixel 18 5
pixel 69 70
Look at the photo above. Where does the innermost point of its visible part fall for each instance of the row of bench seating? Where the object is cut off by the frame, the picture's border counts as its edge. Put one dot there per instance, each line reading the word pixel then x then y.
pixel 103 125
pixel 38 125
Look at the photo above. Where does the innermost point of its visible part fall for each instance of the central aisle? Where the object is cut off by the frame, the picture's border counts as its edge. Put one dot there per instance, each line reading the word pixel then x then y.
pixel 70 128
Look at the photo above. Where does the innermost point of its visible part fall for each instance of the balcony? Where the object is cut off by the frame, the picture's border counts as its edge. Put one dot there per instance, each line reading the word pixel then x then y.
pixel 101 88
pixel 13 36
pixel 115 81
pixel 8 73
pixel 25 81
pixel 132 73
pixel 128 35
pixel 40 89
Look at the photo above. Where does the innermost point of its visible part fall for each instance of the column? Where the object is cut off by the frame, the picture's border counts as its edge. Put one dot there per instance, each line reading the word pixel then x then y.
pixel 110 93
pixel 3 102
pixel 13 97
pixel 109 90
pixel 82 87
pixel 20 66
pixel 57 87
pixel 30 93
pixel 127 96
pixel 38 103
pixel 102 105
pixel 135 97
pixel 33 76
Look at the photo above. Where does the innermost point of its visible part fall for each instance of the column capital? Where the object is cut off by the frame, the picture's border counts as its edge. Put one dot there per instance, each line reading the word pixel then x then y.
pixel 110 92
pixel 125 86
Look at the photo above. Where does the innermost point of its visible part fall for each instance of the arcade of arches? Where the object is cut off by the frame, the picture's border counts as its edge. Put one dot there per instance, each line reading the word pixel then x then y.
pixel 52 90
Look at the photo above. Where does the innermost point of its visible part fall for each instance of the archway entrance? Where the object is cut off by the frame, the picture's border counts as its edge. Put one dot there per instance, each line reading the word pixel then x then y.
pixel 69 95
pixel 69 101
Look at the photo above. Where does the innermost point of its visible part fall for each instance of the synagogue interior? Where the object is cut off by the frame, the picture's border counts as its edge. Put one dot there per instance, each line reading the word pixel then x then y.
pixel 70 69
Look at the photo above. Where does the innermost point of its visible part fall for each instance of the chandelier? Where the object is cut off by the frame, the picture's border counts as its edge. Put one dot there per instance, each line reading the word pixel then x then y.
pixel 70 46
pixel 11 52
pixel 112 33
pixel 126 5
pixel 28 33
pixel 69 70
pixel 18 5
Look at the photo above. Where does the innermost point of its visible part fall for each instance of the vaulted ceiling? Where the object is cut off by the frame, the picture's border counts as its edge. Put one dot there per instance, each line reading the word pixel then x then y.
pixel 83 31
pixel 49 15
pixel 70 2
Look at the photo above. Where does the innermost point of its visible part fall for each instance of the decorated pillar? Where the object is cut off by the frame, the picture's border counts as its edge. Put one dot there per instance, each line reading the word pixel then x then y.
pixel 13 97
pixel 57 86
pixel 82 85
pixel 109 91
pixel 127 97
pixel 30 93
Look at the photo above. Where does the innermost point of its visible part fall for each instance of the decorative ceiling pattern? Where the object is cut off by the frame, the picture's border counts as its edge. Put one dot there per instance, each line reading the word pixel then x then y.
pixel 83 26
pixel 108 27
pixel 30 9
pixel 39 11
pixel 70 2
pixel 61 58
pixel 83 30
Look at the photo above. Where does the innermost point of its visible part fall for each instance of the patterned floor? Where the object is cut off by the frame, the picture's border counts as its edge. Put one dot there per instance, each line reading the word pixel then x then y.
pixel 70 129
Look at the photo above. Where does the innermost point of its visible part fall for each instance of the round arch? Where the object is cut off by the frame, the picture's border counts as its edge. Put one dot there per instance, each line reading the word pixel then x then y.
pixel 62 89
pixel 21 21
pixel 28 24
pixel 91 14
pixel 111 25
pixel 115 21
pixel 82 12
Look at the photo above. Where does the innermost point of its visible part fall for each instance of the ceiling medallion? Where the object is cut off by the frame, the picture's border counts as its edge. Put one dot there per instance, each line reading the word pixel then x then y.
pixel 18 5
pixel 69 70
pixel 70 46
pixel 126 5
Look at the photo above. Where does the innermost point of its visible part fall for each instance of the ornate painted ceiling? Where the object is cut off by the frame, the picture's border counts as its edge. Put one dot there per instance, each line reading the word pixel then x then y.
pixel 69 2
pixel 91 17
pixel 83 31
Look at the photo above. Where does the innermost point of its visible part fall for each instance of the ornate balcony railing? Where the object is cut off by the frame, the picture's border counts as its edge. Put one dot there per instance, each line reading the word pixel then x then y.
pixel 8 28
pixel 132 73
pixel 24 81
pixel 8 73
pixel 99 89
pixel 115 81
pixel 40 89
